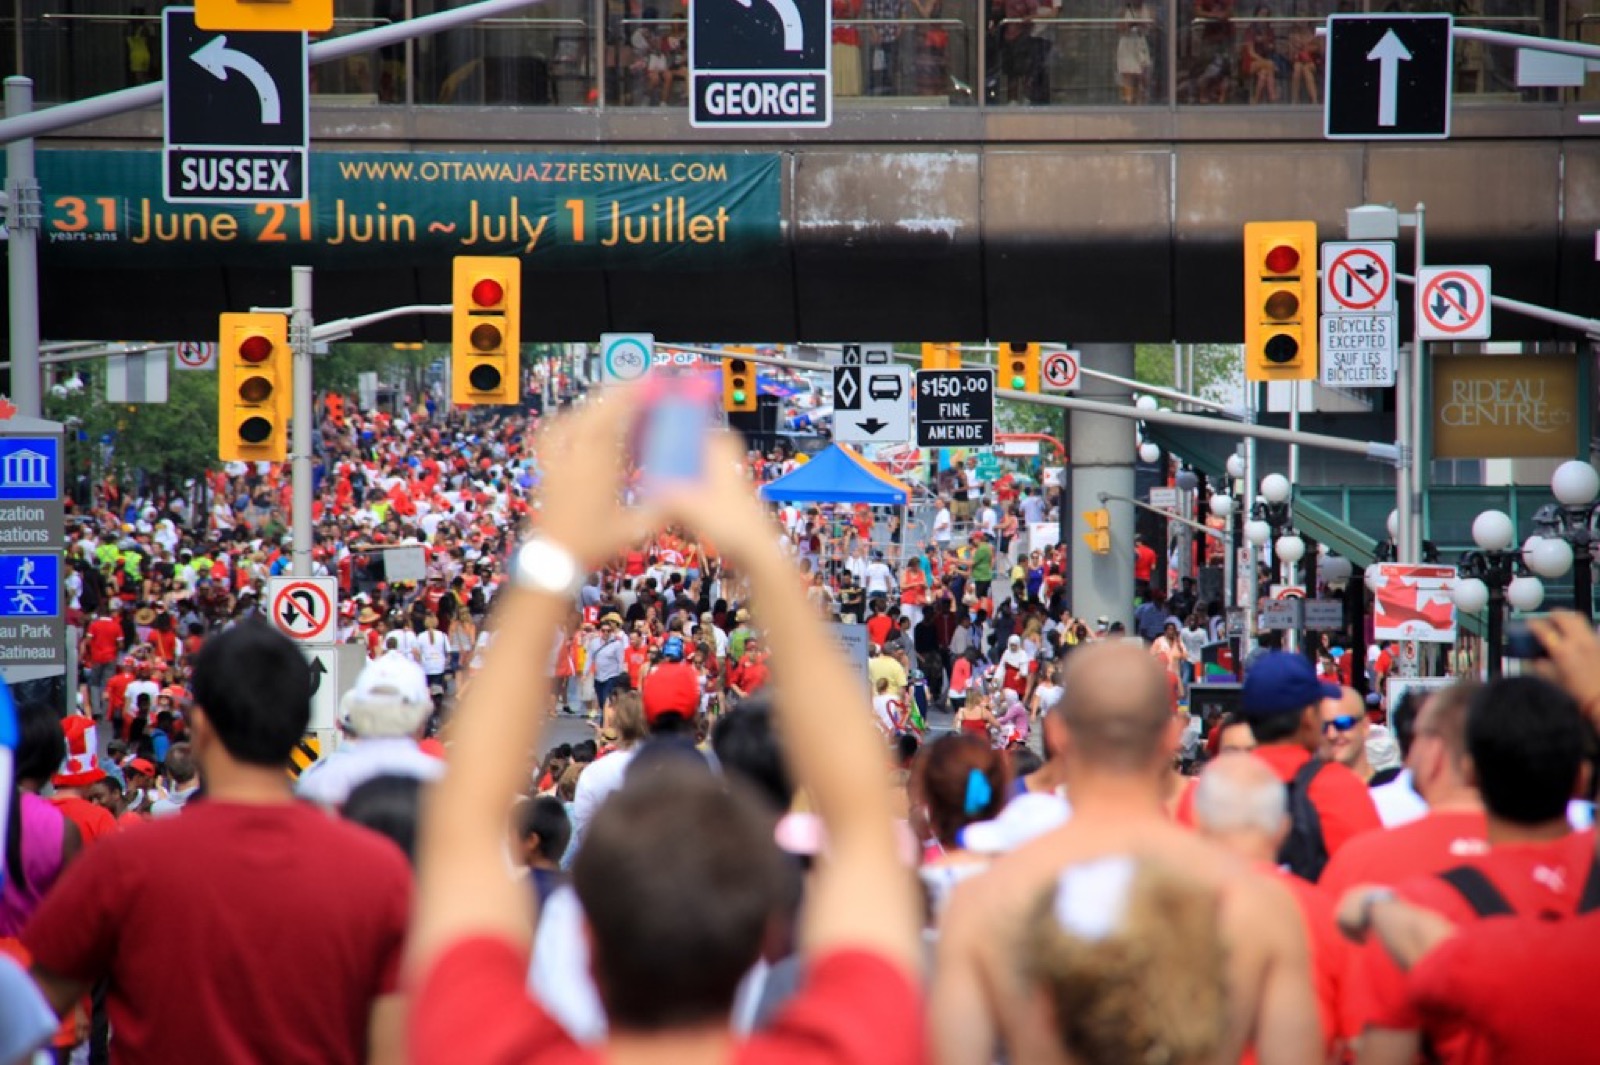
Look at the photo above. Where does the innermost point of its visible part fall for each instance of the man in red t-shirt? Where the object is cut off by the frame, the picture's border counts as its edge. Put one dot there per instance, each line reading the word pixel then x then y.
pixel 1144 564
pixel 1282 699
pixel 101 643
pixel 747 678
pixel 1526 740
pixel 679 877
pixel 283 960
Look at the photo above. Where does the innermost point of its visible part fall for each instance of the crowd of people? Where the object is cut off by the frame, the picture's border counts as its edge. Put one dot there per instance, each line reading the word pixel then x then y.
pixel 761 855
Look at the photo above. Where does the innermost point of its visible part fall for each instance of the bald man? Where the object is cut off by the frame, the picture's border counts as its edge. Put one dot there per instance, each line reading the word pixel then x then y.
pixel 1242 806
pixel 1344 736
pixel 1115 738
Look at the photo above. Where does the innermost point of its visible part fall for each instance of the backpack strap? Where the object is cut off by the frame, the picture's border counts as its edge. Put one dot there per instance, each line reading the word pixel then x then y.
pixel 1306 774
pixel 1478 891
pixel 1590 902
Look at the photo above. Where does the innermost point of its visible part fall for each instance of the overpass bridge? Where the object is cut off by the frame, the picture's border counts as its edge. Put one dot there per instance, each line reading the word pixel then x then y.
pixel 966 194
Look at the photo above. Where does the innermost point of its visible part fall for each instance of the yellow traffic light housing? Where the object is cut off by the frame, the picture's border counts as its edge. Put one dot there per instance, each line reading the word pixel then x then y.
pixel 486 330
pixel 255 387
pixel 1099 535
pixel 312 16
pixel 739 383
pixel 941 356
pixel 1280 301
pixel 1019 365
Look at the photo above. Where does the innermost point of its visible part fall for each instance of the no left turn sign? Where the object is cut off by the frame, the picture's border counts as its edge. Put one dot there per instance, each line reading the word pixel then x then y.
pixel 303 607
pixel 1453 303
pixel 1358 278
pixel 1059 371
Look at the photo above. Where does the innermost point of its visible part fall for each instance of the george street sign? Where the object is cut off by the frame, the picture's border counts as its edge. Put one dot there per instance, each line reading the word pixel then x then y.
pixel 955 408
pixel 236 114
pixel 1388 77
pixel 760 64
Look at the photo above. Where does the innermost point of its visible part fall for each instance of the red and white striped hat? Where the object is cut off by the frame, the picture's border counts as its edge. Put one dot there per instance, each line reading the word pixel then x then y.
pixel 82 767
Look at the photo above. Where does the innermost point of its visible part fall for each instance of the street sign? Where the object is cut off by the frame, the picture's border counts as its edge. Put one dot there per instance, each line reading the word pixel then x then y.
pixel 1453 303
pixel 1358 350
pixel 1388 77
pixel 334 669
pixel 137 378
pixel 1324 614
pixel 236 112
pixel 760 64
pixel 31 512
pixel 871 404
pixel 865 355
pixel 955 408
pixel 1164 498
pixel 626 357
pixel 1358 278
pixel 303 608
pixel 32 620
pixel 200 355
pixel 1059 371
pixel 1413 603
pixel 1282 614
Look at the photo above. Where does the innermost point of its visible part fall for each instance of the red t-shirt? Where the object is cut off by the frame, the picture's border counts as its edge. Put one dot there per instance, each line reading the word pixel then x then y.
pixel 472 1005
pixel 1343 803
pixel 93 822
pixel 233 933
pixel 1538 880
pixel 879 626
pixel 104 635
pixel 1144 562
pixel 635 658
pixel 1441 840
pixel 1524 987
pixel 1328 954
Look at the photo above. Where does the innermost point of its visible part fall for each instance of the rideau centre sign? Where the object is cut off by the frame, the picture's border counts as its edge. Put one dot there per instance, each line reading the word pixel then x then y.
pixel 1505 406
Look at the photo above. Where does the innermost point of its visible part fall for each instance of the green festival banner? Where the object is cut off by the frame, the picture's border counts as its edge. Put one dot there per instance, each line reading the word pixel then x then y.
pixel 555 210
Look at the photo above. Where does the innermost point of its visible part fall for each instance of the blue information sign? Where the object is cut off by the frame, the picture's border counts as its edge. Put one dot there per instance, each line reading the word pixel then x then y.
pixel 30 468
pixel 30 586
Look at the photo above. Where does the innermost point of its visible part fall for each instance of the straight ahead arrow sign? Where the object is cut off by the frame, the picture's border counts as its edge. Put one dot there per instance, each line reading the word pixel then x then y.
pixel 1388 53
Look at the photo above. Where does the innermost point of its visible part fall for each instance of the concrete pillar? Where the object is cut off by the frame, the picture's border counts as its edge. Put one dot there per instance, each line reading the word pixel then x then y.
pixel 1102 452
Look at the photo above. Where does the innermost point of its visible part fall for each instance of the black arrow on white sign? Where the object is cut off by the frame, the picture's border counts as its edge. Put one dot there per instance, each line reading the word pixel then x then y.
pixel 317 670
pixel 872 426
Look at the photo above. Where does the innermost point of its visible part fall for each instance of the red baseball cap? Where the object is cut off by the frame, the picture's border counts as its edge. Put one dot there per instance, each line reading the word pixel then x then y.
pixel 671 688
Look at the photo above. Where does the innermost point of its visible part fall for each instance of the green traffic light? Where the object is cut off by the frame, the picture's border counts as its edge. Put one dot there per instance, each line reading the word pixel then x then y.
pixel 738 396
pixel 1018 383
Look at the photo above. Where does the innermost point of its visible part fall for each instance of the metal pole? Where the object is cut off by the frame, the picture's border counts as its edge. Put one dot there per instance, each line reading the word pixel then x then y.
pixel 1583 582
pixel 1248 502
pixel 22 190
pixel 300 329
pixel 1413 455
pixel 1494 639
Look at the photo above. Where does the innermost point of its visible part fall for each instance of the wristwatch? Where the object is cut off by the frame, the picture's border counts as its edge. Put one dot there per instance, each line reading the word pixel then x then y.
pixel 1371 899
pixel 541 565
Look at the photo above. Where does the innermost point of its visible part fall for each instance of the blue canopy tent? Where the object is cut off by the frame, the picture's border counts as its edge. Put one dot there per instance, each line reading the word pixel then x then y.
pixel 837 475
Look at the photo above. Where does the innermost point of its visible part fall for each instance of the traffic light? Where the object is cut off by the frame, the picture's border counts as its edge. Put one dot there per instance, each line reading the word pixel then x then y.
pixel 1099 535
pixel 1019 367
pixel 941 356
pixel 1280 301
pixel 739 383
pixel 485 338
pixel 313 16
pixel 255 387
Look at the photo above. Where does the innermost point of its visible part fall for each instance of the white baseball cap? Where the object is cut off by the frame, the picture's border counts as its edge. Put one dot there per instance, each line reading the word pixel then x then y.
pixel 393 676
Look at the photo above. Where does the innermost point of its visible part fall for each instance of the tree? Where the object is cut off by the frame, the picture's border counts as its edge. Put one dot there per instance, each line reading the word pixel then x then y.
pixel 1218 376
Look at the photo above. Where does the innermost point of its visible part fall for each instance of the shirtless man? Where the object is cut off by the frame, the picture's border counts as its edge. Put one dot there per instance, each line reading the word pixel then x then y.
pixel 1116 739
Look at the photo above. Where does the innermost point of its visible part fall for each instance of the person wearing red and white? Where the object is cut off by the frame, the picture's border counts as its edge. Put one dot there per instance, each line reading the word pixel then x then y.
pixel 668 949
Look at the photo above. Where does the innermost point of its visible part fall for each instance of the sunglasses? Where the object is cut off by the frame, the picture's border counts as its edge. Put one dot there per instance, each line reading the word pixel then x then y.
pixel 1342 723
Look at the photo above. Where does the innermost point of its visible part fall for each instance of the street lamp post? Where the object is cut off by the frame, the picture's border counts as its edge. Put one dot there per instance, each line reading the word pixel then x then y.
pixel 1271 521
pixel 1568 530
pixel 1490 578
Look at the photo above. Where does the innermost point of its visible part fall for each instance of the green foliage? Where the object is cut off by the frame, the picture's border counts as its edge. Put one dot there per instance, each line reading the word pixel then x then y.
pixel 170 441
pixel 339 370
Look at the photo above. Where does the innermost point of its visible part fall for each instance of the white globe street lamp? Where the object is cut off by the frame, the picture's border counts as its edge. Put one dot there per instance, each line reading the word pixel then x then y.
pixel 1290 549
pixel 1149 453
pixel 1275 488
pixel 1257 532
pixel 1470 595
pixel 1525 593
pixel 1493 530
pixel 1236 465
pixel 1147 403
pixel 1393 524
pixel 1575 483
pixel 1548 556
pixel 1221 506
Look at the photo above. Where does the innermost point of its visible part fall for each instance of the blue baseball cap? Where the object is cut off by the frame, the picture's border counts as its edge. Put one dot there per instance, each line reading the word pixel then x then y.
pixel 672 649
pixel 1283 683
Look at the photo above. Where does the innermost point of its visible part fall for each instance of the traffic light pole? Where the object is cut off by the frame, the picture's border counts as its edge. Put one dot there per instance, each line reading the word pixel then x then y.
pixel 301 341
pixel 22 217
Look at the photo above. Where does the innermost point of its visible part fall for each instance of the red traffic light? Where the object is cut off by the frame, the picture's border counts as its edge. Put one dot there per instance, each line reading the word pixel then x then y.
pixel 255 348
pixel 1282 259
pixel 488 293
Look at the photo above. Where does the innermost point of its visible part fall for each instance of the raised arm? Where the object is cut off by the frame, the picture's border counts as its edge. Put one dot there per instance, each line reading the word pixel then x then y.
pixel 462 884
pixel 862 895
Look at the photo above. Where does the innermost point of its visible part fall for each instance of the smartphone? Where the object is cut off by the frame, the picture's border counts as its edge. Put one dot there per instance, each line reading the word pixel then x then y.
pixel 670 439
pixel 1520 642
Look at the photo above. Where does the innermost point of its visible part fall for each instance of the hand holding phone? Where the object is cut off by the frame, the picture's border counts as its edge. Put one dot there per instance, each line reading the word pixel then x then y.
pixel 670 439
